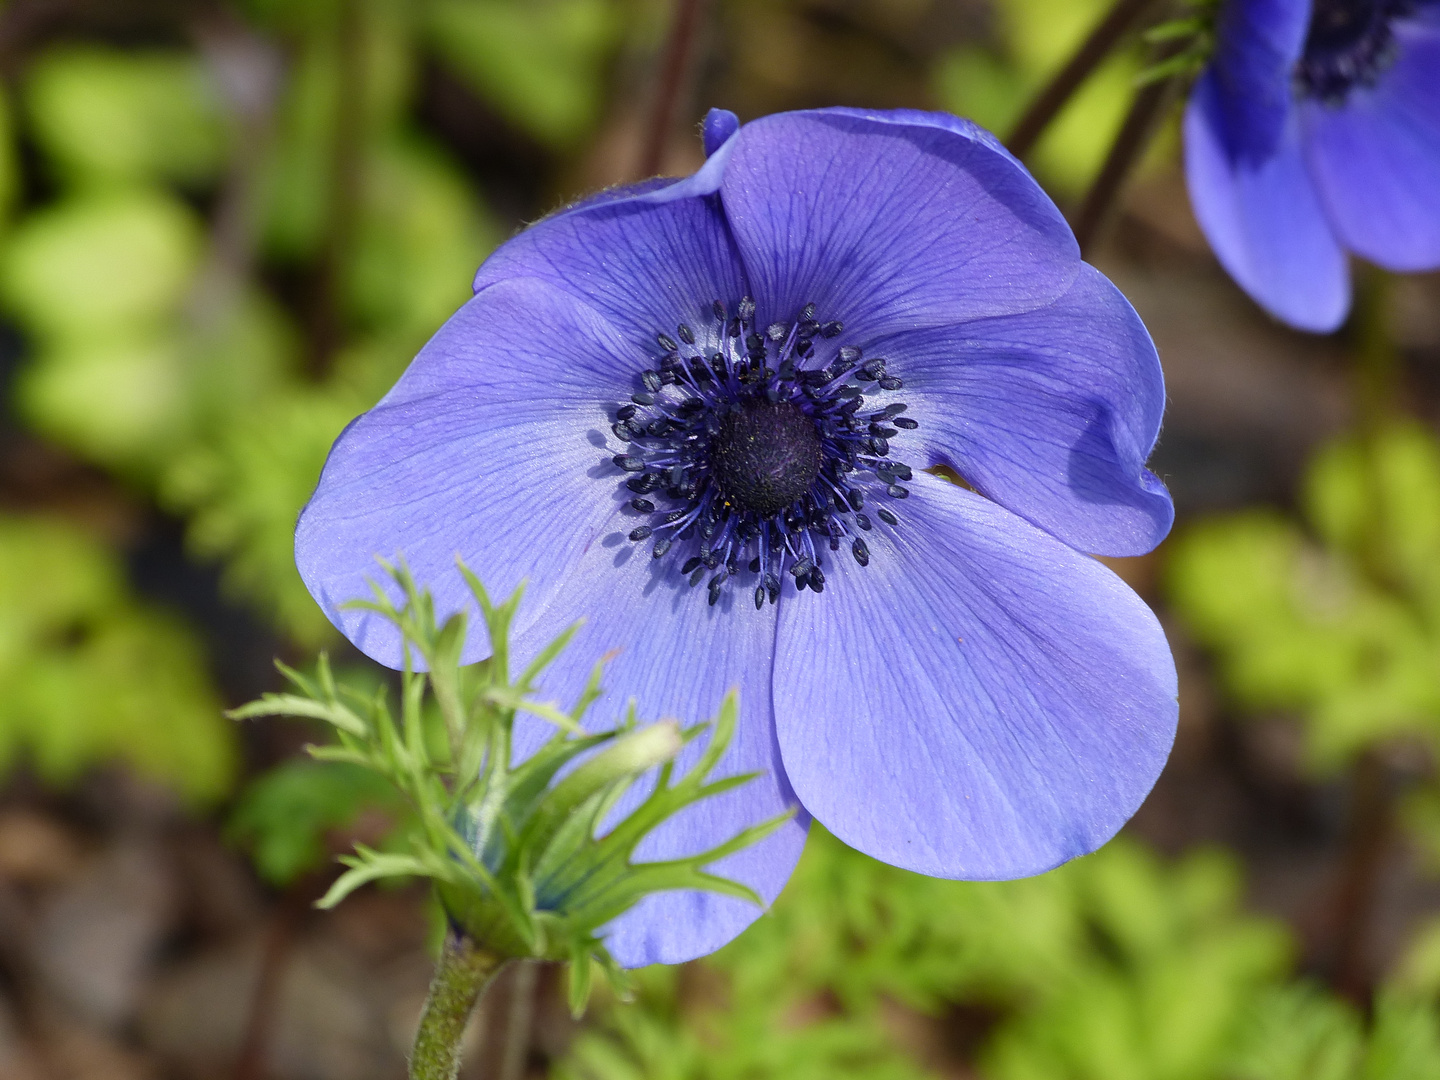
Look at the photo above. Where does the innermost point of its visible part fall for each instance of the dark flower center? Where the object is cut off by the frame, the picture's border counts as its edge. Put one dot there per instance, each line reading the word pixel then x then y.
pixel 753 452
pixel 1350 43
pixel 765 456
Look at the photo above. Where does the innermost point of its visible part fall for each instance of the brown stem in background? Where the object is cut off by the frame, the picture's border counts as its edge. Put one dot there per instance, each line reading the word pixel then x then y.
pixel 1357 888
pixel 327 329
pixel 1376 359
pixel 280 936
pixel 1374 373
pixel 1130 144
pixel 1048 103
pixel 519 1021
pixel 679 48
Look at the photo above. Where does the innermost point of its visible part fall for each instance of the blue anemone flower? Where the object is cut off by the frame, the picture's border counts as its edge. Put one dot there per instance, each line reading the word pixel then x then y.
pixel 1314 132
pixel 697 413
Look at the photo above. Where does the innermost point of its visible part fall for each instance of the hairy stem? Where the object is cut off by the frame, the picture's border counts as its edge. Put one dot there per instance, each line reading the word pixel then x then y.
pixel 1071 77
pixel 679 47
pixel 463 971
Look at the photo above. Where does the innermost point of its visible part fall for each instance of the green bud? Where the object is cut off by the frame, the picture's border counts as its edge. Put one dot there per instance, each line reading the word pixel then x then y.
pixel 516 853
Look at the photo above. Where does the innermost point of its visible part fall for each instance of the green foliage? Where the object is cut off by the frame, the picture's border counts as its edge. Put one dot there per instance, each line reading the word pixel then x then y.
pixel 189 386
pixel 102 264
pixel 1341 628
pixel 512 849
pixel 89 676
pixel 419 240
pixel 1116 966
pixel 656 1038
pixel 1298 1033
pixel 1036 37
pixel 243 486
pixel 540 62
pixel 104 116
pixel 1190 38
pixel 284 816
pixel 9 159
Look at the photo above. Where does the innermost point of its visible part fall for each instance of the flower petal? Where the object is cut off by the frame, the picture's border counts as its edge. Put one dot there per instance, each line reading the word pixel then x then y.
pixel 720 124
pixel 675 656
pixel 890 220
pixel 1051 413
pixel 1376 159
pixel 646 257
pixel 979 702
pixel 1264 220
pixel 492 446
pixel 1257 45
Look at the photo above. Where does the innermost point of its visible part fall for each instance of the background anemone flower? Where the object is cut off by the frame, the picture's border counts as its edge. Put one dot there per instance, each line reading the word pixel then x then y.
pixel 1314 132
pixel 695 413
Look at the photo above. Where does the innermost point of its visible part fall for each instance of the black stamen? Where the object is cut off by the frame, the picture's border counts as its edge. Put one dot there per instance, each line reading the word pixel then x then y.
pixel 765 463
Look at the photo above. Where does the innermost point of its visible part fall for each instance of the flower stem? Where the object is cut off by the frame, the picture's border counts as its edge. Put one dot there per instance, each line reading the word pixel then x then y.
pixel 463 971
pixel 1095 48
pixel 1358 880
pixel 1130 144
pixel 1376 372
pixel 679 47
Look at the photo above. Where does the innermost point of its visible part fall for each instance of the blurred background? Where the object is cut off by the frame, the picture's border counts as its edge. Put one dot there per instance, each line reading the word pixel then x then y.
pixel 225 228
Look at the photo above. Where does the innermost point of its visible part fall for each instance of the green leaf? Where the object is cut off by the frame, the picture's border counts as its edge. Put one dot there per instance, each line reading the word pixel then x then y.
pixel 1036 37
pixel 244 482
pixel 88 675
pixel 1405 1041
pixel 107 116
pixel 1296 1033
pixel 283 816
pixel 1343 628
pixel 87 268
pixel 542 63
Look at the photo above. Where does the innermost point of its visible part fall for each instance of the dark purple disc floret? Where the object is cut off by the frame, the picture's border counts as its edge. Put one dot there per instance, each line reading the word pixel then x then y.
pixel 1349 43
pixel 752 459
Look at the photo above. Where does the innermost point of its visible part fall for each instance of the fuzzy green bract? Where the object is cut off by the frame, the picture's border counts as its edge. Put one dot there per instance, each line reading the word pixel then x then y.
pixel 523 855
